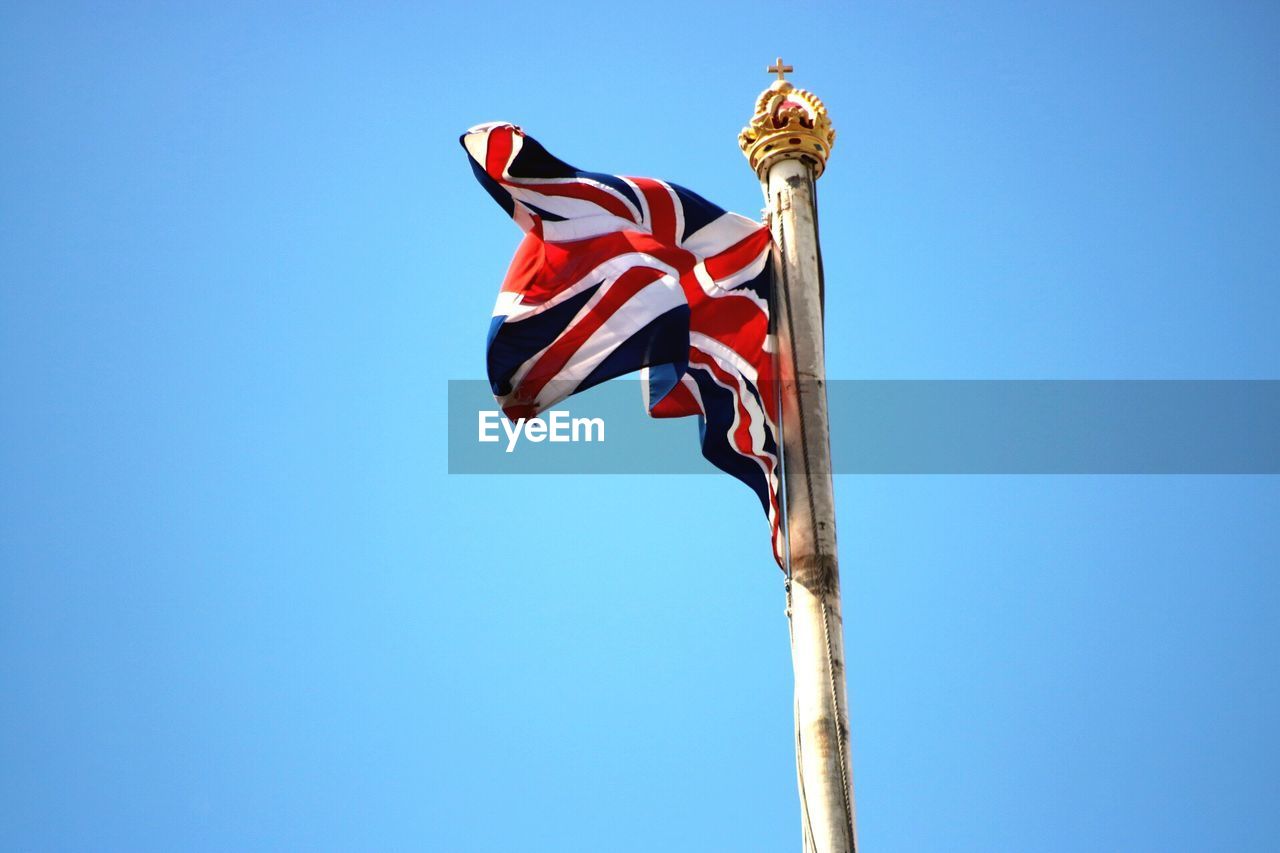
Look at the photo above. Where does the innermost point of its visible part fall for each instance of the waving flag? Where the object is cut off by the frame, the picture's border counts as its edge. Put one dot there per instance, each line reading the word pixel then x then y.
pixel 619 274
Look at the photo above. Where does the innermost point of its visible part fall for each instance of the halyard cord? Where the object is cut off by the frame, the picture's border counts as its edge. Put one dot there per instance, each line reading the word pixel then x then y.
pixel 845 771
pixel 835 701
pixel 835 698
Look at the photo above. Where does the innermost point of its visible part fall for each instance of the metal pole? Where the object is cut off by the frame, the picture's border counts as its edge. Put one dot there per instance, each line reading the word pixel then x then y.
pixel 787 143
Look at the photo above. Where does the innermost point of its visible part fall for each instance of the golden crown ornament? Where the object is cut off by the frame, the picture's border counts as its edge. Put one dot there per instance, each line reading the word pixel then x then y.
pixel 788 123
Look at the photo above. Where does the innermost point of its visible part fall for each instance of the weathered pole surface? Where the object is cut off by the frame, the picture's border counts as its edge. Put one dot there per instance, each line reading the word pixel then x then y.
pixel 787 143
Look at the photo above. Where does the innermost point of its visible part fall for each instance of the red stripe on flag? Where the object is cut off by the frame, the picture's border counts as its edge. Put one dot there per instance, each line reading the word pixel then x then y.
pixel 736 321
pixel 678 403
pixel 742 433
pixel 568 261
pixel 524 276
pixel 558 354
pixel 738 256
pixel 498 152
pixel 662 210
pixel 582 192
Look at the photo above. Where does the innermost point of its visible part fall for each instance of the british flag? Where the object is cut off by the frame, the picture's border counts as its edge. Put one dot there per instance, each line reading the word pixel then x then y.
pixel 619 274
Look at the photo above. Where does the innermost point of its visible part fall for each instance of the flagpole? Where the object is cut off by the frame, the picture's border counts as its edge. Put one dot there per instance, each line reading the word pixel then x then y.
pixel 787 143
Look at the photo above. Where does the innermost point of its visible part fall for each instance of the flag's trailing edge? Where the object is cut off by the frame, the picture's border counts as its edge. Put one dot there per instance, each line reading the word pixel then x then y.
pixel 618 274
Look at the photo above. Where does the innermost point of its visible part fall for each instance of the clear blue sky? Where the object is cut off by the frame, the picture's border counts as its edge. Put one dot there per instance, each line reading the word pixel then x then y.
pixel 243 607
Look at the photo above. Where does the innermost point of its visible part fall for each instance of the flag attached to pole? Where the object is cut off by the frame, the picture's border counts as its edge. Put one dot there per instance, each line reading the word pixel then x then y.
pixel 621 274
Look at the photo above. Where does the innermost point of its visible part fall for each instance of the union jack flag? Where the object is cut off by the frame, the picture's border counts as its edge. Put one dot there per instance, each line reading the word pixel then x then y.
pixel 619 274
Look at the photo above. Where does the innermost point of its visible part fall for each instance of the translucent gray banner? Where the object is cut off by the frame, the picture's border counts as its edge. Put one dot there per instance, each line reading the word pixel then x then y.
pixel 908 427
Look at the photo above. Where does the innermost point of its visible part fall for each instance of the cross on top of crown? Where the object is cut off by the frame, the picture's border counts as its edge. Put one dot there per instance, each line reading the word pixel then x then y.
pixel 780 69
